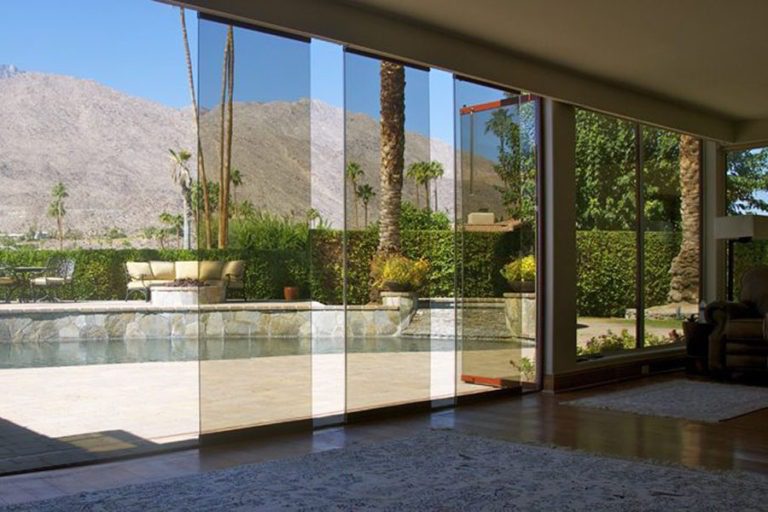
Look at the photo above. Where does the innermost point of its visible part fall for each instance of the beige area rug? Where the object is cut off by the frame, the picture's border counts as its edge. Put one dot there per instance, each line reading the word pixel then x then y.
pixel 709 402
pixel 438 470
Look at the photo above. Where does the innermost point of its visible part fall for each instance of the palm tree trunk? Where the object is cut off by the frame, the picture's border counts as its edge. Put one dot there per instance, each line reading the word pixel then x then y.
pixel 366 214
pixel 187 219
pixel 418 202
pixel 200 160
pixel 684 285
pixel 356 201
pixel 426 192
pixel 392 150
pixel 434 186
pixel 60 229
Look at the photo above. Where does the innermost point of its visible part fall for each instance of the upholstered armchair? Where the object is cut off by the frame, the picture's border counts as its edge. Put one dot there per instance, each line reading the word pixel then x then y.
pixel 739 341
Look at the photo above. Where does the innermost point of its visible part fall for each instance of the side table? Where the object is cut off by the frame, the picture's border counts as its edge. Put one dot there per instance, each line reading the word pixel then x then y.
pixel 697 345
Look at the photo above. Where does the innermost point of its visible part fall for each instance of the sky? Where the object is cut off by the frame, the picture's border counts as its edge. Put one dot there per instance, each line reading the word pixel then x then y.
pixel 135 46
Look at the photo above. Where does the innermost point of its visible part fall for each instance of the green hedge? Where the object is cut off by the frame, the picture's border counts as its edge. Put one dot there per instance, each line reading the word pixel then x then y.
pixel 606 266
pixel 100 273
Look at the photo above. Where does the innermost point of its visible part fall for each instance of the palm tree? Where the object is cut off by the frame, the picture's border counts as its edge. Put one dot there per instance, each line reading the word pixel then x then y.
pixel 435 171
pixel 422 173
pixel 365 193
pixel 57 211
pixel 236 179
pixel 415 173
pixel 684 285
pixel 200 159
pixel 354 172
pixel 225 149
pixel 174 226
pixel 183 178
pixel 392 104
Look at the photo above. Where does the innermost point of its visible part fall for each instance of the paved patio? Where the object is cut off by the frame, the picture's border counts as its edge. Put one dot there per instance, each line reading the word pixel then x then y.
pixel 64 415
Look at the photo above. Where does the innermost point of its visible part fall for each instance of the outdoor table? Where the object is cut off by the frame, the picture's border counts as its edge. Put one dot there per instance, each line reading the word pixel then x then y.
pixel 24 274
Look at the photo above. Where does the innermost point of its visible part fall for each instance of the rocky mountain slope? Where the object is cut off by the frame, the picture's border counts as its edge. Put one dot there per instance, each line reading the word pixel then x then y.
pixel 111 152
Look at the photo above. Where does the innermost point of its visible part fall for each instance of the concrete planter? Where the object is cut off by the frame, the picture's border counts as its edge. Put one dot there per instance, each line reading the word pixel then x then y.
pixel 186 295
pixel 520 314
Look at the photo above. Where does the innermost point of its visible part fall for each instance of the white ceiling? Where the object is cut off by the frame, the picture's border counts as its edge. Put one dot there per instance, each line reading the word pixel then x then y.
pixel 707 54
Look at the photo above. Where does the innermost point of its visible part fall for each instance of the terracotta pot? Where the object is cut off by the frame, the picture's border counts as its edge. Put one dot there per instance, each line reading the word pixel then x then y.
pixel 523 286
pixel 291 292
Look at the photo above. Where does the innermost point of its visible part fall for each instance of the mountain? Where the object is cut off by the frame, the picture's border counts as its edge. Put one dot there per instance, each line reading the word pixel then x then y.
pixel 111 152
pixel 9 70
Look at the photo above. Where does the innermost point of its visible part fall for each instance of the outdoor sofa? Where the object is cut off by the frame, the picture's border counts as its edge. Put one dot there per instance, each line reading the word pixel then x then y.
pixel 143 275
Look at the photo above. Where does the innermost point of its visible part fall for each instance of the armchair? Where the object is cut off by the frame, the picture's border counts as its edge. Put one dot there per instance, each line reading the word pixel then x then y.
pixel 739 341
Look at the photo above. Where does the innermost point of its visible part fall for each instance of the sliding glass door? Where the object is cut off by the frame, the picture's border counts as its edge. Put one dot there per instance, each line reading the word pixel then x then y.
pixel 255 349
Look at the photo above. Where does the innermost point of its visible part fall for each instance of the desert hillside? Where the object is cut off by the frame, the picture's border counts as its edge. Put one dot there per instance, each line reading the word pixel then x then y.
pixel 111 151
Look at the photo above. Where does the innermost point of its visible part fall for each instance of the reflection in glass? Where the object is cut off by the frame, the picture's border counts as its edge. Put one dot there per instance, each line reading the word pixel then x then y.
pixel 496 226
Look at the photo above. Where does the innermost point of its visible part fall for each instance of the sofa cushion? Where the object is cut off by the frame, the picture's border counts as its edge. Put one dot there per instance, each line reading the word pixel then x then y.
pixel 138 270
pixel 235 270
pixel 211 270
pixel 744 328
pixel 187 269
pixel 165 270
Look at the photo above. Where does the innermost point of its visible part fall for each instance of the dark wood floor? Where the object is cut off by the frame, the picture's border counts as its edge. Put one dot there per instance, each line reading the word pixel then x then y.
pixel 741 443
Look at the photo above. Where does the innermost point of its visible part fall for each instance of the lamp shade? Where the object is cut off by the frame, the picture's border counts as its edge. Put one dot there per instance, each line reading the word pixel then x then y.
pixel 736 227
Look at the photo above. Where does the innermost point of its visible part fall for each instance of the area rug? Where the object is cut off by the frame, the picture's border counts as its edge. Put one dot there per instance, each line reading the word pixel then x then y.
pixel 709 402
pixel 436 470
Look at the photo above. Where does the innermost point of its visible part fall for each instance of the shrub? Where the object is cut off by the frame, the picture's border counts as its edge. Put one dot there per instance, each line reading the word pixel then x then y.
pixel 282 252
pixel 414 218
pixel 523 269
pixel 612 342
pixel 400 272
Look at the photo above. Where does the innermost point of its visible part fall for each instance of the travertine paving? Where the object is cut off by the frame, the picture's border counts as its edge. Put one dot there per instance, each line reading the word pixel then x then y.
pixel 57 415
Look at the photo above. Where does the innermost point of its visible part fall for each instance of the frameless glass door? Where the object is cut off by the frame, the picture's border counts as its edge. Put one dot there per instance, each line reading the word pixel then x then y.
pixel 496 237
pixel 255 348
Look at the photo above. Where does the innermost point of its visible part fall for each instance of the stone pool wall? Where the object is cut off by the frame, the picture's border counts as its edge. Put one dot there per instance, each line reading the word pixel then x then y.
pixel 139 321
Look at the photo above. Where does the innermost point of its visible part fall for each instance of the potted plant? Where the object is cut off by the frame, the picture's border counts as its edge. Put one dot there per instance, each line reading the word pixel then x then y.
pixel 291 292
pixel 397 273
pixel 521 274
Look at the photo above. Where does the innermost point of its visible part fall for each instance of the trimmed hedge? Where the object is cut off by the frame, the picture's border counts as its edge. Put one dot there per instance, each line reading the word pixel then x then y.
pixel 606 266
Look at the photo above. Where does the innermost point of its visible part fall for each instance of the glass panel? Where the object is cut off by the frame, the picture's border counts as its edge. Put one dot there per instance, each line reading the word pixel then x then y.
pixel 606 239
pixel 496 226
pixel 747 193
pixel 672 206
pixel 327 233
pixel 85 176
pixel 255 361
pixel 389 184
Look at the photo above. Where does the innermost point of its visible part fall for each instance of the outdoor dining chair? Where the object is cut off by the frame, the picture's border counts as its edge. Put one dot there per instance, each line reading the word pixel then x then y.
pixel 8 282
pixel 58 273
